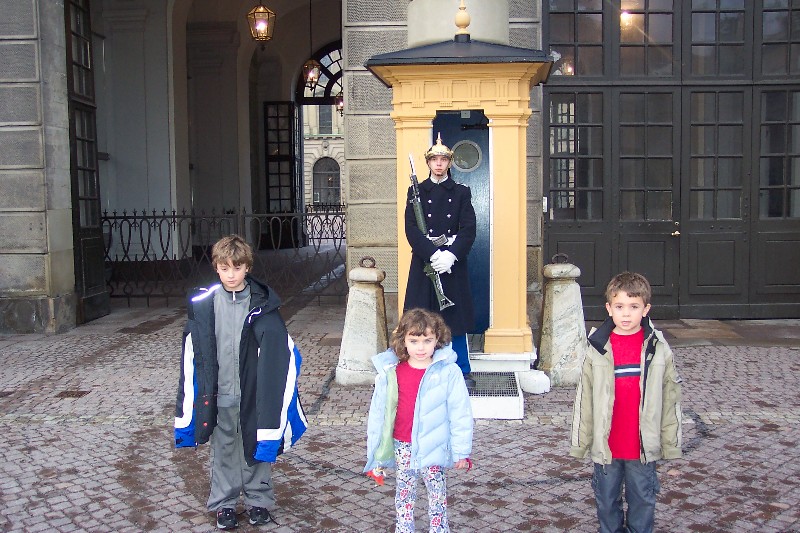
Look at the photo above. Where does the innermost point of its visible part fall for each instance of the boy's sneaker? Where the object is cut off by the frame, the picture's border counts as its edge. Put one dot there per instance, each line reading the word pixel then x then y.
pixel 226 518
pixel 260 516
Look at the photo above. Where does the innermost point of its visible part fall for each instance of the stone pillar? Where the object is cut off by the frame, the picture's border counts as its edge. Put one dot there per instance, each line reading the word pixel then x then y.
pixel 365 332
pixel 37 277
pixel 563 342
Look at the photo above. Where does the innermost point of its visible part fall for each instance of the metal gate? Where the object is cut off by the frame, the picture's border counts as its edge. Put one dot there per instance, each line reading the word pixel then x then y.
pixel 157 258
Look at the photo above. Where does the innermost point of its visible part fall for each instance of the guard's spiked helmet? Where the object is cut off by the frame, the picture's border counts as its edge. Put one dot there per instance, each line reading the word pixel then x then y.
pixel 440 149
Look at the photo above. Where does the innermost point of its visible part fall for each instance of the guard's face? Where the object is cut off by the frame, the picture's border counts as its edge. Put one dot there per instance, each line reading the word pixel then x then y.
pixel 231 276
pixel 438 165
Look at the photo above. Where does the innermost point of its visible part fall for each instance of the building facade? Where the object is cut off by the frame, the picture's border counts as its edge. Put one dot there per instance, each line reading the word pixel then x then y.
pixel 667 139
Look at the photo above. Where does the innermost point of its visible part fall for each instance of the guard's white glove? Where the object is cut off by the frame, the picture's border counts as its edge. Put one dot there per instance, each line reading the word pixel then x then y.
pixel 443 262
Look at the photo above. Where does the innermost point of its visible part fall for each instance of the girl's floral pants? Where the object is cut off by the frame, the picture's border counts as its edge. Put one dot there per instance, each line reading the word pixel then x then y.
pixel 406 492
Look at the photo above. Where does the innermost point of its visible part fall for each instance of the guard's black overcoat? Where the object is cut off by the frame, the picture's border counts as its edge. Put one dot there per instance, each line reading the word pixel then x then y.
pixel 448 210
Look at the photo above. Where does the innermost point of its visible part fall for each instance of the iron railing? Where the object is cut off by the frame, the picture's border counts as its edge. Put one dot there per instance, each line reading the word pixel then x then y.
pixel 161 256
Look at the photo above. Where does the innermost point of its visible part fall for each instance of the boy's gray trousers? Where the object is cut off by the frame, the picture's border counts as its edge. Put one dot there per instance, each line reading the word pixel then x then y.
pixel 230 474
pixel 641 486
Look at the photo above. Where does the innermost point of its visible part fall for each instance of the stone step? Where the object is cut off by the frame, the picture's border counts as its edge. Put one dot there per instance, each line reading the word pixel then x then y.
pixel 501 362
pixel 497 395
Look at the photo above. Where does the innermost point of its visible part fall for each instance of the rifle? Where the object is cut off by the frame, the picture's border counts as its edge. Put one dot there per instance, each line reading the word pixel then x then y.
pixel 444 301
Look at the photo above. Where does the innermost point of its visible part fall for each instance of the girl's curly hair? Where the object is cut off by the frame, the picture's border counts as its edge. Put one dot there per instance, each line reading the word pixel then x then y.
pixel 418 322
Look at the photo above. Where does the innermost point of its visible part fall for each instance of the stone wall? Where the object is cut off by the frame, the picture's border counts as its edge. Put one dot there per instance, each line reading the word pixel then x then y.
pixel 36 250
pixel 371 27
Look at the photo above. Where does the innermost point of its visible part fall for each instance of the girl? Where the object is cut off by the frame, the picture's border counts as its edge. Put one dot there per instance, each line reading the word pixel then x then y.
pixel 420 418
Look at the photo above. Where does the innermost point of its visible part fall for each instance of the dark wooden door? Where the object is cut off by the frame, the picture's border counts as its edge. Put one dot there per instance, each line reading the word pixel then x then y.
pixel 609 214
pixel 775 246
pixel 716 199
pixel 467 134
pixel 645 177
pixel 89 252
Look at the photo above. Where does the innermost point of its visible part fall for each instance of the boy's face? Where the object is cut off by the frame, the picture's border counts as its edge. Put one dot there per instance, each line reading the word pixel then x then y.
pixel 231 276
pixel 627 312
pixel 438 165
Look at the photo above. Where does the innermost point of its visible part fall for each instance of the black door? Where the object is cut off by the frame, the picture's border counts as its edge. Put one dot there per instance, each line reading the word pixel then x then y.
pixel 609 214
pixel 716 199
pixel 89 251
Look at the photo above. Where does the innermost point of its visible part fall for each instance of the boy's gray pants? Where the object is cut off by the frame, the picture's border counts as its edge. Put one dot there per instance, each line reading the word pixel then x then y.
pixel 230 474
pixel 641 486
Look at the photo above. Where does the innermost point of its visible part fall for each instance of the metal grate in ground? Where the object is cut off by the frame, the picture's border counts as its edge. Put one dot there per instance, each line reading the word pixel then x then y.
pixel 496 396
pixel 494 384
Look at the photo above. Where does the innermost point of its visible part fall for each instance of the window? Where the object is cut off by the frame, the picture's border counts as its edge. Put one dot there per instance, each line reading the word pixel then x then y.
pixel 576 37
pixel 325 119
pixel 330 78
pixel 576 160
pixel 326 182
pixel 280 122
pixel 780 34
pixel 718 38
pixel 645 155
pixel 779 162
pixel 716 148
pixel 645 35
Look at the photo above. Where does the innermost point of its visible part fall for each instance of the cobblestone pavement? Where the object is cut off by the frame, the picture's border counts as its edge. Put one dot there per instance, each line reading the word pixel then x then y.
pixel 86 439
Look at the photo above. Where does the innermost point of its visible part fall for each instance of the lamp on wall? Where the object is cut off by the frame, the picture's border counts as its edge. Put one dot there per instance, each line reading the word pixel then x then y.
pixel 312 66
pixel 261 20
pixel 338 101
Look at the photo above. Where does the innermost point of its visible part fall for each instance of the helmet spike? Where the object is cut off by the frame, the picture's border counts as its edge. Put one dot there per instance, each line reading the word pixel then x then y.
pixel 439 149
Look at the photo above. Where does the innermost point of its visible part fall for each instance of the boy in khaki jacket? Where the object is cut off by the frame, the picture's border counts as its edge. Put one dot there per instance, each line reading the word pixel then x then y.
pixel 627 411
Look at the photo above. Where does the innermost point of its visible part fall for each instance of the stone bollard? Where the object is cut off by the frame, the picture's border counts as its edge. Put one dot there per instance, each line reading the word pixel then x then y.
pixel 563 343
pixel 365 332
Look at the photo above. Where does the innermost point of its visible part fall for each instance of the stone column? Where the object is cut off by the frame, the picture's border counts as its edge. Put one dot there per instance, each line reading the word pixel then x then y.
pixel 37 277
pixel 365 332
pixel 563 344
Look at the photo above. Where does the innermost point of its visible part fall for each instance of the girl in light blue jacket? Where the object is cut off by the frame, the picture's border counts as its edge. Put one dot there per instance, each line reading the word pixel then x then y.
pixel 420 420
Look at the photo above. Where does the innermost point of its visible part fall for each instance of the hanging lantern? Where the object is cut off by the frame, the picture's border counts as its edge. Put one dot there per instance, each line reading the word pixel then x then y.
pixel 261 20
pixel 338 101
pixel 311 70
pixel 311 67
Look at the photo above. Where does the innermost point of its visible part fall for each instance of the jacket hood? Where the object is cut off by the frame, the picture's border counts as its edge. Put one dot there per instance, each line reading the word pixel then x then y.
pixel 599 337
pixel 263 295
pixel 388 358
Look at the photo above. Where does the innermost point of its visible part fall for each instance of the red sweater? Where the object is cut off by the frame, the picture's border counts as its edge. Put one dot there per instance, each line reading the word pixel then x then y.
pixel 408 380
pixel 624 436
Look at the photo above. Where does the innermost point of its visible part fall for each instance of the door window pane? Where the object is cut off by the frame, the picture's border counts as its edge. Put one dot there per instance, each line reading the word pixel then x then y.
pixel 659 173
pixel 779 154
pixel 631 205
pixel 729 204
pixel 576 156
pixel 729 171
pixel 702 172
pixel 701 205
pixel 716 149
pixel 659 205
pixel 631 173
pixel 730 140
